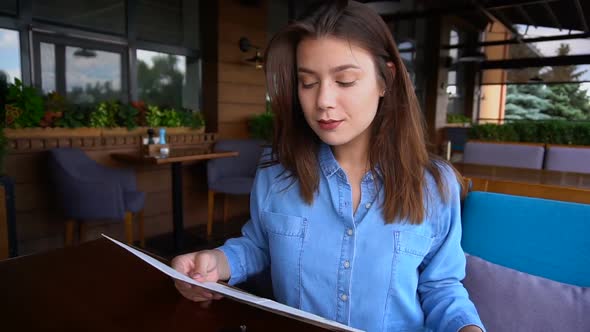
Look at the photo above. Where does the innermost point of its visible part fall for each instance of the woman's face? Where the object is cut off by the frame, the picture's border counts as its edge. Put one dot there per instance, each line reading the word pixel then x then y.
pixel 338 89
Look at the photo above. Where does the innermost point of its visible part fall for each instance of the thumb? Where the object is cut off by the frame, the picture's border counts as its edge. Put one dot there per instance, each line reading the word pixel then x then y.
pixel 201 266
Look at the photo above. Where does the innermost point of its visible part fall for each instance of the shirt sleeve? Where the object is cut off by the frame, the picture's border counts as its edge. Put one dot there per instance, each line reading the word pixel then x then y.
pixel 248 255
pixel 444 299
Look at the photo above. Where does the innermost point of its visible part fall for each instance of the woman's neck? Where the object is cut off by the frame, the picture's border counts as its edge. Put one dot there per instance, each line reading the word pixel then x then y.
pixel 354 155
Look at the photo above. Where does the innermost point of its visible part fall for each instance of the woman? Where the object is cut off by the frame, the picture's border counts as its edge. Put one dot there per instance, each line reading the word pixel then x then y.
pixel 356 221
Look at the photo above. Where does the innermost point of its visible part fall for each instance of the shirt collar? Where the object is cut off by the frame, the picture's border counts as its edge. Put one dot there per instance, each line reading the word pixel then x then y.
pixel 328 163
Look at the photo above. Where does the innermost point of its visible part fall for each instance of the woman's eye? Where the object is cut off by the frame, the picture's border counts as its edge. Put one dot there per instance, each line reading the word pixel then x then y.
pixel 308 85
pixel 346 84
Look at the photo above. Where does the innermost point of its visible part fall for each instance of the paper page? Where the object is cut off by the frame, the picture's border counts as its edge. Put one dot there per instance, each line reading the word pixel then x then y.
pixel 237 294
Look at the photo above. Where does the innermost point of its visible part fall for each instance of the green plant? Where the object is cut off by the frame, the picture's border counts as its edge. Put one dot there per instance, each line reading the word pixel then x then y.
pixel 261 126
pixel 105 114
pixel 127 116
pixel 549 132
pixel 75 116
pixel 171 118
pixel 457 118
pixel 153 116
pixel 198 120
pixel 55 106
pixel 192 119
pixel 24 106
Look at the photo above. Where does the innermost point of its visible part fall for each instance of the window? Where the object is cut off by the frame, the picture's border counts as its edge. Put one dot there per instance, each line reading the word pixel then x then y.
pixel 9 55
pixel 48 68
pixel 167 79
pixel 83 72
pixel 92 75
pixel 455 79
pixel 98 15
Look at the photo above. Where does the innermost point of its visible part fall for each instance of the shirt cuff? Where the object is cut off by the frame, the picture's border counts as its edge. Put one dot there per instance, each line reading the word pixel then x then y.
pixel 236 269
pixel 460 322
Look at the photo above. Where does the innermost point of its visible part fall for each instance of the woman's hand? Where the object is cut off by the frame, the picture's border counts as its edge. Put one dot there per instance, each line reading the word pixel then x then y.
pixel 470 328
pixel 202 266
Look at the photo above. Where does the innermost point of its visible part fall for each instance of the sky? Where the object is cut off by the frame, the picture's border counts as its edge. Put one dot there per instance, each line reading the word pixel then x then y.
pixel 9 53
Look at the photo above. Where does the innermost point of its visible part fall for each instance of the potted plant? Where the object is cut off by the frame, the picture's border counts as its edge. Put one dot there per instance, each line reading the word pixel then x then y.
pixel 261 126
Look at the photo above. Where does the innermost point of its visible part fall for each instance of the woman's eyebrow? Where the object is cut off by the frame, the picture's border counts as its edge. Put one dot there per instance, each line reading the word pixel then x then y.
pixel 332 70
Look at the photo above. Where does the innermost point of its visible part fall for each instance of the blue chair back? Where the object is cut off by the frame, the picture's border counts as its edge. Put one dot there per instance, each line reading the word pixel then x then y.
pixel 504 154
pixel 242 166
pixel 542 237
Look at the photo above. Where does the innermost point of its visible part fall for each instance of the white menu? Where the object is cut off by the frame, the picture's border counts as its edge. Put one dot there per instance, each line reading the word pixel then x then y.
pixel 241 296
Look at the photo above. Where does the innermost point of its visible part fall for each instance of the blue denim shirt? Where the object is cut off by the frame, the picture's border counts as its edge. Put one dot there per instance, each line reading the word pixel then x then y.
pixel 353 267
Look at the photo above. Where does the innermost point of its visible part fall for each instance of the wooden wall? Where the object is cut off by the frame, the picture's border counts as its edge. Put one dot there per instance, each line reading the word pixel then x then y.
pixel 241 86
pixel 240 94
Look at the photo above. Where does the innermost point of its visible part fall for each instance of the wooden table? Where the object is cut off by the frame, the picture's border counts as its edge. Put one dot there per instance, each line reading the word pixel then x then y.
pixel 98 286
pixel 175 159
pixel 531 176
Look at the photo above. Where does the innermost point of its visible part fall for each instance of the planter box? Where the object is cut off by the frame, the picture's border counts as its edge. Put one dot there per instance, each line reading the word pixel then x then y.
pixel 52 132
pixel 34 139
pixel 91 132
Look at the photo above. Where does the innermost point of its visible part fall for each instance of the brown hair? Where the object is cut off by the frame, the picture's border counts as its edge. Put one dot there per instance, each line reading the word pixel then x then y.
pixel 398 145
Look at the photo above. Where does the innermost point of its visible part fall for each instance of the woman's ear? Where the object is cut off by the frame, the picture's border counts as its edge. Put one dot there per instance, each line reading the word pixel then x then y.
pixel 391 66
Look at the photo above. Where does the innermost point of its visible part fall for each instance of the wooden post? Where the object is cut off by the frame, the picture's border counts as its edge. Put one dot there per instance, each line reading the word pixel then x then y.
pixel 129 228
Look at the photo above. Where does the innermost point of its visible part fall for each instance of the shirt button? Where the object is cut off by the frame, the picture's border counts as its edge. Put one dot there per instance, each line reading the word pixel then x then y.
pixel 349 232
pixel 368 205
pixel 346 264
pixel 344 297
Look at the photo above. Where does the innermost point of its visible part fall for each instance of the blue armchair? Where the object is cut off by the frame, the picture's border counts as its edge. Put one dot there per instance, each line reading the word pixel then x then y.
pixel 88 191
pixel 231 176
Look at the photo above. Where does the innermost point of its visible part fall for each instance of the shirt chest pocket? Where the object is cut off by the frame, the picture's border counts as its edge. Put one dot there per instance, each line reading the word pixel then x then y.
pixel 283 225
pixel 411 244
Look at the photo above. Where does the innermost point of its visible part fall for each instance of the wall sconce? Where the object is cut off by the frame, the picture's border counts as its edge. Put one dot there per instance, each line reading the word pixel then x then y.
pixel 245 46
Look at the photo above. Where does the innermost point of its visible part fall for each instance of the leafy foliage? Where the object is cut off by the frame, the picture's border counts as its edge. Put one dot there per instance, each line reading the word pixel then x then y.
pixel 127 116
pixel 549 132
pixel 105 115
pixel 24 106
pixel 261 126
pixel 75 116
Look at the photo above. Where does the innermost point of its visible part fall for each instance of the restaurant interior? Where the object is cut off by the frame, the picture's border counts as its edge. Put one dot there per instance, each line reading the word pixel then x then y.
pixel 145 120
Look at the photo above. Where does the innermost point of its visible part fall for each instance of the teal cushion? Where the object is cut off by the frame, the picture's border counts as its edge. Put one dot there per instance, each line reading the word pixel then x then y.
pixel 546 238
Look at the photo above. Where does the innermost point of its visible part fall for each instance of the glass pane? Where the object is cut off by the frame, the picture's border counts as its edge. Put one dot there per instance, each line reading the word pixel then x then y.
pixel 47 67
pixel 162 80
pixel 9 55
pixel 169 21
pixel 8 6
pixel 101 15
pixel 92 75
pixel 569 101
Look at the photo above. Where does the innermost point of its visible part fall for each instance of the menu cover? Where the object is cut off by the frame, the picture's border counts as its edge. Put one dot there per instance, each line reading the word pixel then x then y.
pixel 236 294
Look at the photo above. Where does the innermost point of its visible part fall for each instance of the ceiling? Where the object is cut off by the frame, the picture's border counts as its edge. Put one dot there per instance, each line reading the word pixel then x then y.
pixel 560 14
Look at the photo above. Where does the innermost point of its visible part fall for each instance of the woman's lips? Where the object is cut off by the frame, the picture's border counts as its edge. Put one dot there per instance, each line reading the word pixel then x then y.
pixel 329 124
